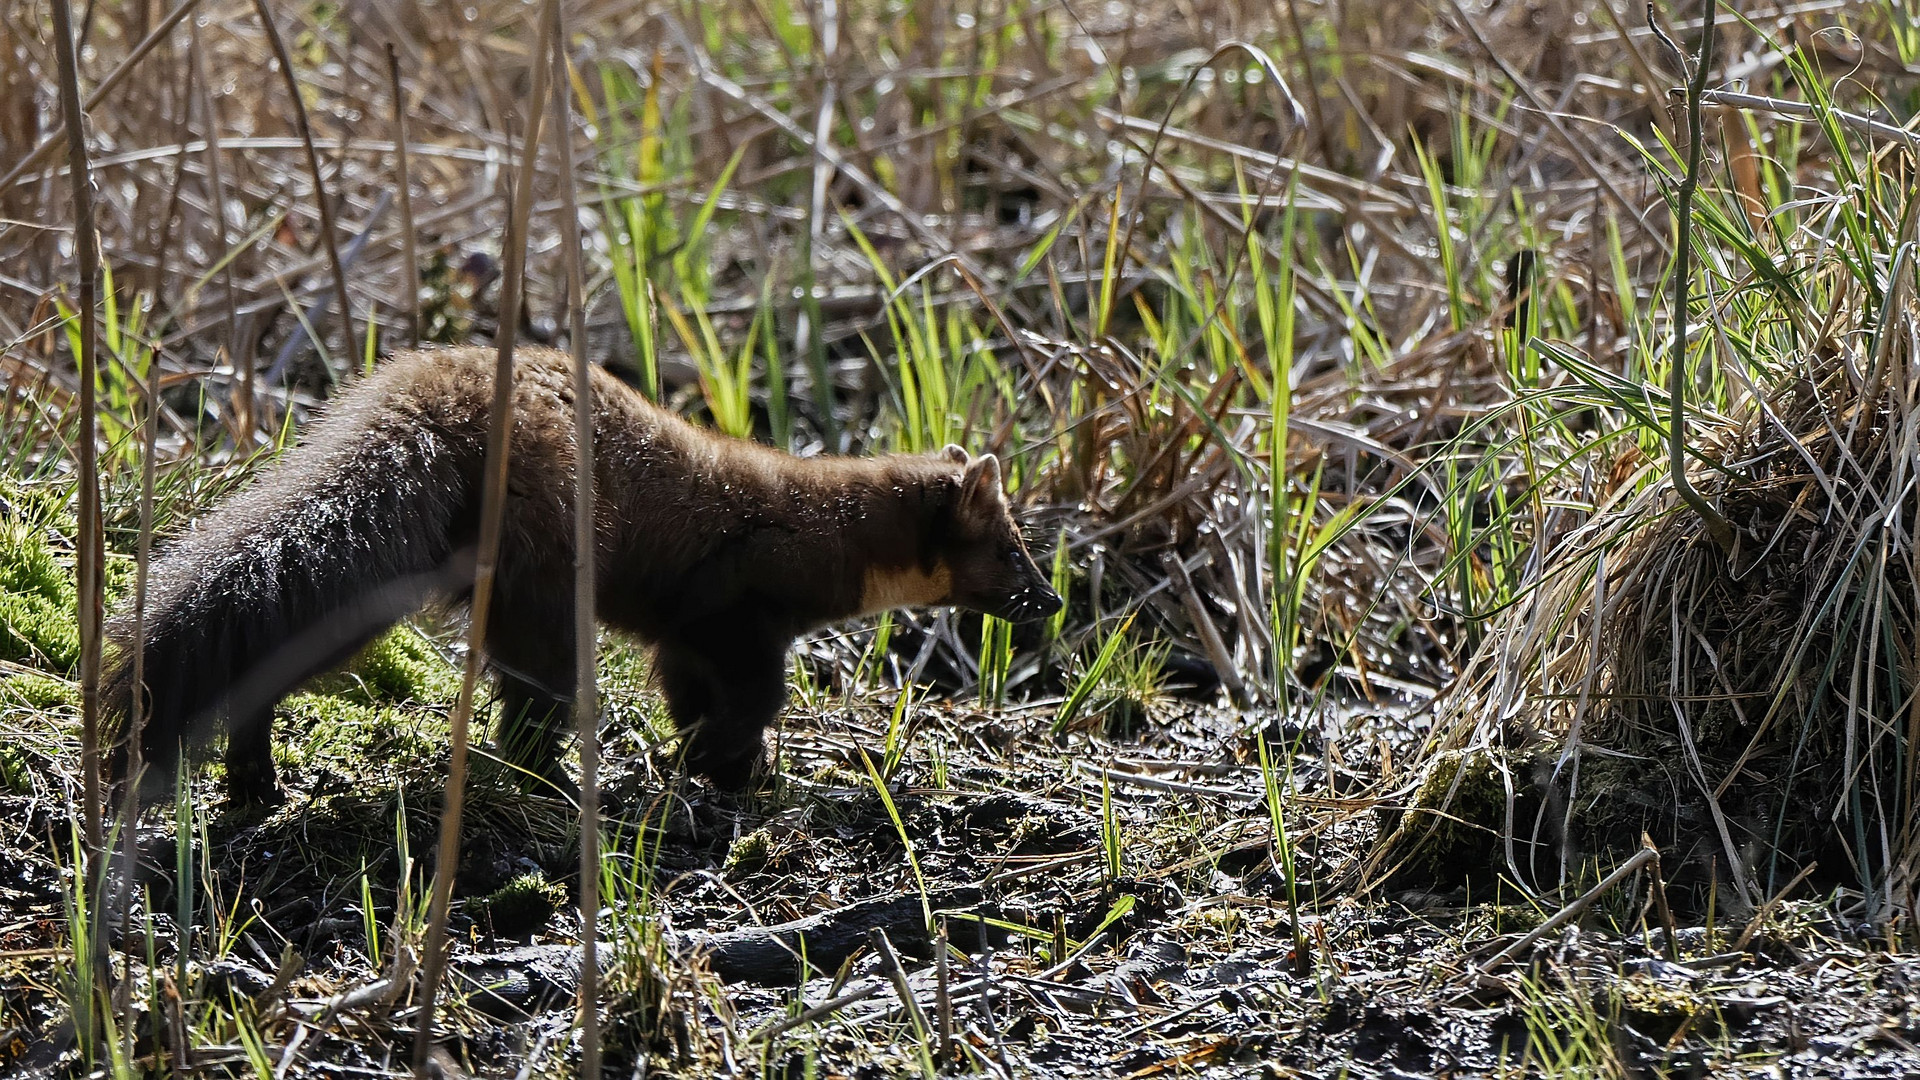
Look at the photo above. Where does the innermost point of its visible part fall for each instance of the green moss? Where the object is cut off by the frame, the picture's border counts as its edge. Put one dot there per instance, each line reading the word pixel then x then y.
pixel 521 906
pixel 117 574
pixel 1450 832
pixel 38 605
pixel 1660 1009
pixel 17 771
pixel 749 854
pixel 399 666
pixel 336 732
pixel 1496 919
pixel 38 692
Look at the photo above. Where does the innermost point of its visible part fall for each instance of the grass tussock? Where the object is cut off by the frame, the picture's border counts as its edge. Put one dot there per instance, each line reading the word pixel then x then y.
pixel 1748 709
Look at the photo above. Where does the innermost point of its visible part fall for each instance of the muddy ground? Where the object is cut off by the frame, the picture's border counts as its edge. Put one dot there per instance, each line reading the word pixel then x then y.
pixel 1113 903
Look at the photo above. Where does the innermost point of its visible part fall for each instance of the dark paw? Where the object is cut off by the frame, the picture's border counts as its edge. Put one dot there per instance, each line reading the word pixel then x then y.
pixel 553 783
pixel 741 772
pixel 255 793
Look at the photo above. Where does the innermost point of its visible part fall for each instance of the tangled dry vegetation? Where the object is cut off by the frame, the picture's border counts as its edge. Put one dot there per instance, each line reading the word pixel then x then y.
pixel 1326 344
pixel 1744 705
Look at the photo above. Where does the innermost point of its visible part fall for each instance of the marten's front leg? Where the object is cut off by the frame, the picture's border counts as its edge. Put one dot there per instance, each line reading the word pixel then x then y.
pixel 530 646
pixel 723 687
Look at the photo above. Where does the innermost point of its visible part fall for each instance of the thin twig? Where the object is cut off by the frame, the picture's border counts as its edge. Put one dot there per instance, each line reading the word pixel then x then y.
pixel 809 1015
pixel 1716 523
pixel 136 706
pixel 91 554
pixel 1572 911
pixel 217 199
pixel 943 993
pixel 409 254
pixel 1800 110
pixel 171 208
pixel 1767 909
pixel 586 698
pixel 1657 893
pixel 86 246
pixel 492 513
pixel 896 973
pixel 985 1001
pixel 1675 55
pixel 320 199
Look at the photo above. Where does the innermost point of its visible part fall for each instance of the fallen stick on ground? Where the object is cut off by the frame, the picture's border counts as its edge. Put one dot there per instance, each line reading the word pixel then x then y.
pixel 1572 911
pixel 1766 910
pixel 770 955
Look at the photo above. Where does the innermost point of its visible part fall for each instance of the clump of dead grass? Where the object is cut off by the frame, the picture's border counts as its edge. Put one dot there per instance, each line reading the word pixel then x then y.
pixel 1751 710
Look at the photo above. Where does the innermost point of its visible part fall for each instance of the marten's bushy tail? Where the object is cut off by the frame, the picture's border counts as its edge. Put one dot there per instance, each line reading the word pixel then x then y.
pixel 354 530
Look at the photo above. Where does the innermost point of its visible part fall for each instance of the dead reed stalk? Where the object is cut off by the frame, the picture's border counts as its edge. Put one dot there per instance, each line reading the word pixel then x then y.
pixel 217 200
pixel 91 556
pixel 321 202
pixel 486 559
pixel 409 254
pixel 92 553
pixel 586 698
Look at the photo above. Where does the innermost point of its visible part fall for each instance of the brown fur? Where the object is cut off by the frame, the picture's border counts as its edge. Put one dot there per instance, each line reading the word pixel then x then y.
pixel 718 552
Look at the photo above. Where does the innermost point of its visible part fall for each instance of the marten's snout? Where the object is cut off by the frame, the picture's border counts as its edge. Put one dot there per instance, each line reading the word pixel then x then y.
pixel 1033 604
pixel 1006 585
pixel 1028 604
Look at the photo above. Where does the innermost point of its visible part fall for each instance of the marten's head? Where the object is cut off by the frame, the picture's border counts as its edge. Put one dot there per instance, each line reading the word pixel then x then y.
pixel 979 546
pixel 968 552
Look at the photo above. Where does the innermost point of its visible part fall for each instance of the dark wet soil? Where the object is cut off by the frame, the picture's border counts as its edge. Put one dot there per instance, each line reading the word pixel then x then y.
pixel 1112 906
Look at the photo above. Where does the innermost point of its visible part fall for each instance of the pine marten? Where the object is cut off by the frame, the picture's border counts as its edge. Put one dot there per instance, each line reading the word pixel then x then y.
pixel 715 551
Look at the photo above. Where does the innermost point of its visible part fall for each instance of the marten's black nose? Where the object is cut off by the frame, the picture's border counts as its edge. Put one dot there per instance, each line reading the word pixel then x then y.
pixel 1035 604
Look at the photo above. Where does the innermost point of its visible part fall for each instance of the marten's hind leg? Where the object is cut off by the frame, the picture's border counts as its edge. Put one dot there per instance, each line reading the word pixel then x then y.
pixel 252 780
pixel 723 689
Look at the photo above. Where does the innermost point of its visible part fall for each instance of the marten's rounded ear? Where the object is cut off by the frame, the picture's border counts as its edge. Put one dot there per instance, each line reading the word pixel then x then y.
pixel 956 454
pixel 982 479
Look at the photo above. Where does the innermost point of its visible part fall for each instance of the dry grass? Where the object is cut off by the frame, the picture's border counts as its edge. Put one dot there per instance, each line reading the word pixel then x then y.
pixel 1341 397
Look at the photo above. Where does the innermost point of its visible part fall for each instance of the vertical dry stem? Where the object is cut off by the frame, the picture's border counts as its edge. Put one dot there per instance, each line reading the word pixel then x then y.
pixel 91 554
pixel 409 252
pixel 136 706
pixel 325 205
pixel 586 711
pixel 486 559
pixel 217 199
pixel 1717 526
